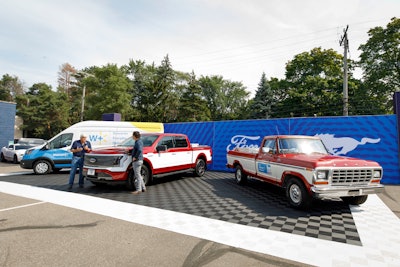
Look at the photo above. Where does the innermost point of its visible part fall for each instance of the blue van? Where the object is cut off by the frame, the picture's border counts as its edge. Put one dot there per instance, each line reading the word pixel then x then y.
pixel 55 154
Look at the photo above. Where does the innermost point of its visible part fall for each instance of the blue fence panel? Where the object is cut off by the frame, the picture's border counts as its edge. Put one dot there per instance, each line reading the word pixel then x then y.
pixel 367 137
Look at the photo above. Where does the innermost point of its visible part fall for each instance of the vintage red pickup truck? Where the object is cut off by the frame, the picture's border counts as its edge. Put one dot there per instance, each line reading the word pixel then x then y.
pixel 164 154
pixel 303 167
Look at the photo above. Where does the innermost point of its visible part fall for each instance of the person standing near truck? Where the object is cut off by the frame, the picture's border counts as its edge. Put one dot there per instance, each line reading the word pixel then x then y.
pixel 78 148
pixel 137 162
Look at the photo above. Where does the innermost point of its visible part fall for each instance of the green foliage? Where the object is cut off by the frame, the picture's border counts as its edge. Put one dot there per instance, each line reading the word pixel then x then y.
pixel 193 106
pixel 226 100
pixel 106 91
pixel 261 107
pixel 44 111
pixel 314 84
pixel 380 62
pixel 10 87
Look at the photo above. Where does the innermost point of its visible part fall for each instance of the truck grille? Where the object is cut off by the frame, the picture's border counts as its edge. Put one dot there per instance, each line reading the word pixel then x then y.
pixel 351 176
pixel 102 161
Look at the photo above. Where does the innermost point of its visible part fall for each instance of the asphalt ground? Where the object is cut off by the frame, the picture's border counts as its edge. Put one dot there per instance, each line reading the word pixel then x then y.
pixel 49 234
pixel 35 233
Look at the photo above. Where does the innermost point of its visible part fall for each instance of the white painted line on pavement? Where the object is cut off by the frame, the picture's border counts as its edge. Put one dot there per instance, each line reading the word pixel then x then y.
pixel 380 245
pixel 24 206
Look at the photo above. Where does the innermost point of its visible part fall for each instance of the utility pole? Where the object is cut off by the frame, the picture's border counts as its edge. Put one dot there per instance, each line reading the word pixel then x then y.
pixel 345 43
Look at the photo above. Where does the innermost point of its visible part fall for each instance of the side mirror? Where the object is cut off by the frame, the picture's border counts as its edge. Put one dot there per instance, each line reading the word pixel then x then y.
pixel 265 149
pixel 161 148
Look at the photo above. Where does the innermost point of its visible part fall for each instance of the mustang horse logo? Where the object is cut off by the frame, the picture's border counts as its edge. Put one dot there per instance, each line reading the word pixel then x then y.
pixel 343 145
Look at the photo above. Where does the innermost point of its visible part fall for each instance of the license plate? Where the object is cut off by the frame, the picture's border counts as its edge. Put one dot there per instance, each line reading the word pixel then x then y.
pixel 90 172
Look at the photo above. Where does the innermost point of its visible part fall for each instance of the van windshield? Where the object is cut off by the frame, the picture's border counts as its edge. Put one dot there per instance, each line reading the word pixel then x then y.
pixel 147 140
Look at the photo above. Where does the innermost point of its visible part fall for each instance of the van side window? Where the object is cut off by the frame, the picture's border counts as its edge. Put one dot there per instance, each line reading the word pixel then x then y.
pixel 61 141
pixel 180 141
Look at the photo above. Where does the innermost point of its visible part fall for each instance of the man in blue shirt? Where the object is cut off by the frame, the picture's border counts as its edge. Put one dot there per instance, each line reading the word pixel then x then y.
pixel 137 162
pixel 78 148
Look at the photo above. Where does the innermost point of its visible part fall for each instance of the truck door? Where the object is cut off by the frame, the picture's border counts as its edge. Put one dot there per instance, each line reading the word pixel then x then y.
pixel 164 158
pixel 266 160
pixel 182 153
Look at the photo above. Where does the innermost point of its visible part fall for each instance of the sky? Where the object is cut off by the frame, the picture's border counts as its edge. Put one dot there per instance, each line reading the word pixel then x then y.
pixel 236 39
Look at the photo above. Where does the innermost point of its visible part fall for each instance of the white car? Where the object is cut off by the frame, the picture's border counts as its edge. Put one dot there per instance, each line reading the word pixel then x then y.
pixel 13 152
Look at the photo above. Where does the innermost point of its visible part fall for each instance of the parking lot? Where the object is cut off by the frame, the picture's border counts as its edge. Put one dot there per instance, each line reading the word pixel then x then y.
pixel 214 210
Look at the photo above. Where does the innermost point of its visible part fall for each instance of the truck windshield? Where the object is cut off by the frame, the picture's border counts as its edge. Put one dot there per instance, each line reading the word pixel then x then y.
pixel 301 145
pixel 147 140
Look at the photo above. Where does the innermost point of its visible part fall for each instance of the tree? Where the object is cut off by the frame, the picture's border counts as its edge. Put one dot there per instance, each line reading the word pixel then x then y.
pixel 193 106
pixel 226 100
pixel 10 87
pixel 380 62
pixel 315 84
pixel 43 111
pixel 107 91
pixel 66 78
pixel 261 107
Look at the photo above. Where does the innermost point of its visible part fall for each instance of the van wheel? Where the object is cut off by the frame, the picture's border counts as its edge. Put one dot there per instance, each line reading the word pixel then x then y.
pixel 200 168
pixel 42 167
pixel 297 194
pixel 240 177
pixel 146 174
pixel 356 200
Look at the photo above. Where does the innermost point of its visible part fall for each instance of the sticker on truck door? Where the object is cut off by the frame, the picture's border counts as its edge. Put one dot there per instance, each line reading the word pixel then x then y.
pixel 264 168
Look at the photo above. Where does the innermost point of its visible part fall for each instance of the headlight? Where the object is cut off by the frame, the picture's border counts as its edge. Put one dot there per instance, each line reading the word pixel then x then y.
pixel 377 174
pixel 29 151
pixel 117 160
pixel 321 175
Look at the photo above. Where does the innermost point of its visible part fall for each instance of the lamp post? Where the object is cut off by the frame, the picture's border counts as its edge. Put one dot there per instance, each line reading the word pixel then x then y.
pixel 84 75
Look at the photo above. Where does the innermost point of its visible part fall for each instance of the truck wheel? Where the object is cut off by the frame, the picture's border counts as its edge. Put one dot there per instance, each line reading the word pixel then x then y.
pixel 147 175
pixel 356 200
pixel 200 168
pixel 240 177
pixel 130 182
pixel 42 167
pixel 297 194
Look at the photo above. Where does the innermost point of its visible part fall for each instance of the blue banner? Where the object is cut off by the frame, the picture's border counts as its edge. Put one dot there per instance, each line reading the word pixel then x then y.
pixel 366 137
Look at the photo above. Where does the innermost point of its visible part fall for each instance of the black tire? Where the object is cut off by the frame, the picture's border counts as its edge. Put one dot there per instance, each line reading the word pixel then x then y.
pixel 356 200
pixel 297 194
pixel 240 177
pixel 200 168
pixel 147 175
pixel 3 159
pixel 130 182
pixel 15 159
pixel 42 167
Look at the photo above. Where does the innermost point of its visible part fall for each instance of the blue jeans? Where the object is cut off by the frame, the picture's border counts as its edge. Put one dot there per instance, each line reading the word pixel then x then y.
pixel 76 163
pixel 139 183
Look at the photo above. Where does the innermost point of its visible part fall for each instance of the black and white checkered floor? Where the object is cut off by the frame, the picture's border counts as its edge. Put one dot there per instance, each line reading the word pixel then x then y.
pixel 255 217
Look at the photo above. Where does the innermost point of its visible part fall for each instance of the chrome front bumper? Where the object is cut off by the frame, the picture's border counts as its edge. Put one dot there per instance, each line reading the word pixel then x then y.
pixel 344 191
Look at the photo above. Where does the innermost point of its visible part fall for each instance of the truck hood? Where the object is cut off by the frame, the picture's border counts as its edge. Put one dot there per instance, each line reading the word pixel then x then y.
pixel 316 160
pixel 117 150
pixel 111 150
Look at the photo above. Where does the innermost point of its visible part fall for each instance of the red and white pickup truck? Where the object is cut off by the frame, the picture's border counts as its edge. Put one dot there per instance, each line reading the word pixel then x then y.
pixel 164 154
pixel 302 166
